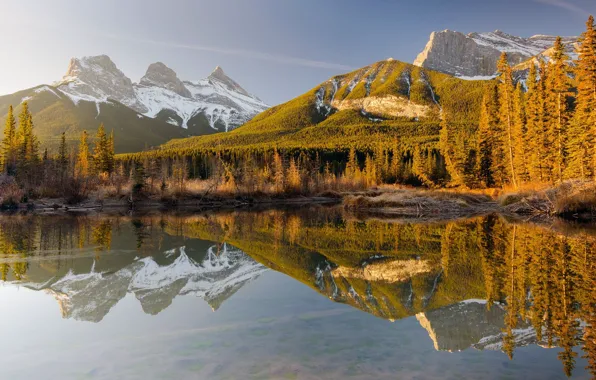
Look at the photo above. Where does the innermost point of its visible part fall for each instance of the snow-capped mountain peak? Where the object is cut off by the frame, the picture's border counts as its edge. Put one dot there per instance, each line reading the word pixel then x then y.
pixel 160 75
pixel 97 79
pixel 475 55
pixel 89 295
pixel 216 103
pixel 218 75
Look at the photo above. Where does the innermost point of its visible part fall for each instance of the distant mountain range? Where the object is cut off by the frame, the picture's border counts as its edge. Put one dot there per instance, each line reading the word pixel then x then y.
pixel 216 102
pixel 158 108
pixel 162 107
pixel 89 295
pixel 475 55
pixel 381 102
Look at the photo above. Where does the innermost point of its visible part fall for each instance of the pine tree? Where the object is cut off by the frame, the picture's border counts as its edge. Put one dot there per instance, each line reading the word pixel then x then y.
pixel 9 143
pixel 519 135
pixel 63 155
pixel 558 89
pixel 27 148
pixel 582 129
pixel 294 177
pixel 454 149
pixel 352 164
pixel 533 128
pixel 103 154
pixel 110 153
pixel 138 177
pixel 82 166
pixel 546 147
pixel 506 90
pixel 395 165
pixel 370 171
pixel 278 168
pixel 486 136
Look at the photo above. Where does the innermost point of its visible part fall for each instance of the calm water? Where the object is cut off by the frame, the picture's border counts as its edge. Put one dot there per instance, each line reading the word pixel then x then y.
pixel 308 294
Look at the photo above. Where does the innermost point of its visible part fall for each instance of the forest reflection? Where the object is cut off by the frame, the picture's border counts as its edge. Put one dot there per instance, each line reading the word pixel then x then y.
pixel 485 282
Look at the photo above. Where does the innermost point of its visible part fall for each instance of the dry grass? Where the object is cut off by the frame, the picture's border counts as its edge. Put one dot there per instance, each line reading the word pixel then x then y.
pixel 10 193
pixel 422 202
pixel 571 199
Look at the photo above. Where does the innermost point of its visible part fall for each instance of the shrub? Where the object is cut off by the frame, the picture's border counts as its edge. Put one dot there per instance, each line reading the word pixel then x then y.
pixel 77 189
pixel 10 193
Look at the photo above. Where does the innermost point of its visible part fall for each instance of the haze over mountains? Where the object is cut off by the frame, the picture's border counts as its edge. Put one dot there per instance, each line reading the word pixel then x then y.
pixel 162 106
pixel 158 108
pixel 217 102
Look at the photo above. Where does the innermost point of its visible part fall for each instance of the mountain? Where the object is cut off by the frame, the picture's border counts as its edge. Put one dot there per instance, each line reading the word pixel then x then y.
pixel 399 99
pixel 475 55
pixel 159 108
pixel 214 104
pixel 470 324
pixel 55 111
pixel 89 294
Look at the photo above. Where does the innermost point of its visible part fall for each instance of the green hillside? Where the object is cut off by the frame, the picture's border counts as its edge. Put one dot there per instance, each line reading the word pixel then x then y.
pixel 383 101
pixel 54 113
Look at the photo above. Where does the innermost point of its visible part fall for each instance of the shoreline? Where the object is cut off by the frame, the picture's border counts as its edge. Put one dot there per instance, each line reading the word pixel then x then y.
pixel 59 207
pixel 407 204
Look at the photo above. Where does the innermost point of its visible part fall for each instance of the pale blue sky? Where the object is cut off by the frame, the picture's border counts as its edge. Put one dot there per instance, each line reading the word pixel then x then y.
pixel 276 49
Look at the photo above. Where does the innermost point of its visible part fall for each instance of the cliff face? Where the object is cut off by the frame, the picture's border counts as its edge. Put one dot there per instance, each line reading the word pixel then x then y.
pixel 476 54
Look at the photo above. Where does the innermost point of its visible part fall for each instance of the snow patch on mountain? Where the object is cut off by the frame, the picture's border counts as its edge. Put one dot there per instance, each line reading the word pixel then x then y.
pixel 48 89
pixel 219 98
pixel 475 55
pixel 90 296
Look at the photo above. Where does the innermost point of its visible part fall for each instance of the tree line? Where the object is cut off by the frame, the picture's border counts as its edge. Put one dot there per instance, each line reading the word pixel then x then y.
pixel 38 173
pixel 538 129
pixel 541 129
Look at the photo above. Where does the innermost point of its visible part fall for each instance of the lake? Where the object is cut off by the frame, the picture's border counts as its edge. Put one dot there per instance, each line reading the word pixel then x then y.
pixel 310 293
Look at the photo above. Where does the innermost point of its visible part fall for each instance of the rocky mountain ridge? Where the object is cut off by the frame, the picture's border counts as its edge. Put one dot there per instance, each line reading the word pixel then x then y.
pixel 155 282
pixel 216 102
pixel 475 55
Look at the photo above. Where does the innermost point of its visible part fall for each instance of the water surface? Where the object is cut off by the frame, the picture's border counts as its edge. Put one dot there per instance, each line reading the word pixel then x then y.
pixel 304 294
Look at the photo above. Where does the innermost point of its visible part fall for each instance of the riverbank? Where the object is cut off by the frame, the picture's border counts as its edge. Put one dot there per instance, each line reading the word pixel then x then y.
pixel 569 201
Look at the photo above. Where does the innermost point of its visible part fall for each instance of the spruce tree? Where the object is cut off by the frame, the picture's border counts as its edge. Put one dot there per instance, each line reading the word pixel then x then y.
pixel 103 154
pixel 352 164
pixel 486 136
pixel 9 143
pixel 110 153
pixel 582 129
pixel 546 147
pixel 506 90
pixel 27 148
pixel 558 89
pixel 83 156
pixel 63 155
pixel 533 127
pixel 519 135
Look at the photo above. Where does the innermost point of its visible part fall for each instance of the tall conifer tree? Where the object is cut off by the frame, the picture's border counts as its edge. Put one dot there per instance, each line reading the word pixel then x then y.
pixel 83 156
pixel 506 90
pixel 582 129
pixel 558 89
pixel 9 143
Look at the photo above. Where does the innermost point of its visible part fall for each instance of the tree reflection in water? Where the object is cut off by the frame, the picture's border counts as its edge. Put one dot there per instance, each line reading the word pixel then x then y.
pixel 484 282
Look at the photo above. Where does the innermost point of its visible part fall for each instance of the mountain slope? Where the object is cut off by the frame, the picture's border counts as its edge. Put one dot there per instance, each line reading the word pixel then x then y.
pixel 214 104
pixel 55 112
pixel 476 54
pixel 159 108
pixel 88 294
pixel 386 100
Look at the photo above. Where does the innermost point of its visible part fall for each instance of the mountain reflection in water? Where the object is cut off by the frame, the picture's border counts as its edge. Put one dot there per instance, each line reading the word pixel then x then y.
pixel 484 283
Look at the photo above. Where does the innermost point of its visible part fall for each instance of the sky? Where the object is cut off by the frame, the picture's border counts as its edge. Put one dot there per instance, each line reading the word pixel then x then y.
pixel 276 49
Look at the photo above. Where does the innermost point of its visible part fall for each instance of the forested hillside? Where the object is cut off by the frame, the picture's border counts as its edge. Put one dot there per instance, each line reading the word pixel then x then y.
pixel 387 100
pixel 394 122
pixel 55 113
